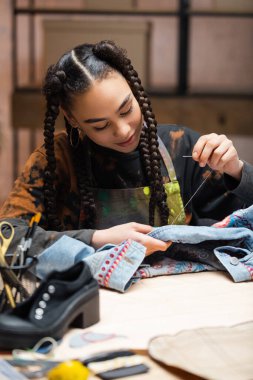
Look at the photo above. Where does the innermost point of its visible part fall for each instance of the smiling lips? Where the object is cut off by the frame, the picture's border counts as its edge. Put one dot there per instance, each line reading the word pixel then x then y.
pixel 127 142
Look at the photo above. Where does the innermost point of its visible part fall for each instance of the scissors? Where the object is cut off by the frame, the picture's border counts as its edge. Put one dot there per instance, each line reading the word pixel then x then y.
pixel 6 236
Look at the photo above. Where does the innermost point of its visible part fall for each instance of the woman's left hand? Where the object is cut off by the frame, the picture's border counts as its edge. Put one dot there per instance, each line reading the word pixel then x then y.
pixel 219 153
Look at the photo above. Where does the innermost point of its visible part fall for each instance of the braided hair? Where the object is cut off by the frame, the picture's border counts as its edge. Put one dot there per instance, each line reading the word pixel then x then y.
pixel 73 74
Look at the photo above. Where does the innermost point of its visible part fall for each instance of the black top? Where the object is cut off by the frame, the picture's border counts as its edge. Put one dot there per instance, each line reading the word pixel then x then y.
pixel 215 198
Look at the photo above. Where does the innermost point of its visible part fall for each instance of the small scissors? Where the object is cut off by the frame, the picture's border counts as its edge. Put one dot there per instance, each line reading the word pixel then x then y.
pixel 6 236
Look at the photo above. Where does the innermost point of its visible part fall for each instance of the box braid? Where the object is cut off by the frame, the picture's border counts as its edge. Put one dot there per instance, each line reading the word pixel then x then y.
pixel 49 128
pixel 64 80
pixel 116 57
pixel 88 210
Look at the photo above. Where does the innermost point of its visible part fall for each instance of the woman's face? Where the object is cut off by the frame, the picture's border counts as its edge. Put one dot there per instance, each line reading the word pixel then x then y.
pixel 109 114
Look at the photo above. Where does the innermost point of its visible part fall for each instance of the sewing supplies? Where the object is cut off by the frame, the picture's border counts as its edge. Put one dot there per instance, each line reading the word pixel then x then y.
pixel 21 255
pixel 85 338
pixel 106 365
pixel 40 356
pixel 26 241
pixel 31 230
pixel 23 365
pixel 202 183
pixel 69 370
pixel 44 348
pixel 6 236
pixel 116 364
pixel 12 273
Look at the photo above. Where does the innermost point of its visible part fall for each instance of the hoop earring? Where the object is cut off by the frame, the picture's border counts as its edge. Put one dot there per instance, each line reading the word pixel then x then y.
pixel 74 138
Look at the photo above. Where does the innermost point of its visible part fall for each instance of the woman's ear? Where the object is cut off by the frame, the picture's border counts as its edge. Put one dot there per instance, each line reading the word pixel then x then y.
pixel 70 119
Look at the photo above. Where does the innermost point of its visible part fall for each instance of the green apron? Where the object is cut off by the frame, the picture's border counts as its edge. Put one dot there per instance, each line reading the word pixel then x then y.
pixel 118 206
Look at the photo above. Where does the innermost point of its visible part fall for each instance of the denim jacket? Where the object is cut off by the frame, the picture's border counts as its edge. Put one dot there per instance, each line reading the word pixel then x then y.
pixel 226 246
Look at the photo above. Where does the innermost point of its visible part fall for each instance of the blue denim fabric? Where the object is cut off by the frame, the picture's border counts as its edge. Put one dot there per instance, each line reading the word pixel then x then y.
pixel 61 255
pixel 117 267
pixel 66 251
pixel 233 259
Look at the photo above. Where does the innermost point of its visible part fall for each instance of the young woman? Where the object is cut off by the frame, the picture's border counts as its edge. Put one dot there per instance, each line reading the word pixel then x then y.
pixel 114 173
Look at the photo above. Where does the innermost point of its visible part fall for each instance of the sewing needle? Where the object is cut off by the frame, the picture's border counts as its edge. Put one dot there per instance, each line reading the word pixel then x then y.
pixel 211 171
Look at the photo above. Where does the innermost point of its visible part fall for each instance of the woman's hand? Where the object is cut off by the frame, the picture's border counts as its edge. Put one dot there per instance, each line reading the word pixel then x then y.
pixel 134 231
pixel 219 153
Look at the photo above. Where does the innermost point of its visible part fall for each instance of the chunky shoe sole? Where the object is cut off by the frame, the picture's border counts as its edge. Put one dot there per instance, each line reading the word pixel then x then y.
pixel 80 310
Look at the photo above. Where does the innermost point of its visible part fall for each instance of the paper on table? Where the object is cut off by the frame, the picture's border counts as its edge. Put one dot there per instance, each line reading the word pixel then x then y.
pixel 166 305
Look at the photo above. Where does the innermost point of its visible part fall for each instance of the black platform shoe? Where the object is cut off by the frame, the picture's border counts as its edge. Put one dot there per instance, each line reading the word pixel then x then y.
pixel 64 299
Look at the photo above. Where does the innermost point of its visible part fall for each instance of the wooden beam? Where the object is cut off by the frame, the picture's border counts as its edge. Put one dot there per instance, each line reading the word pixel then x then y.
pixel 205 114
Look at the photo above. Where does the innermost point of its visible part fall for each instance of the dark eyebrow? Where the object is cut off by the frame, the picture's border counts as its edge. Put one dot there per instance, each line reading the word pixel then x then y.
pixel 103 119
pixel 93 120
pixel 124 102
